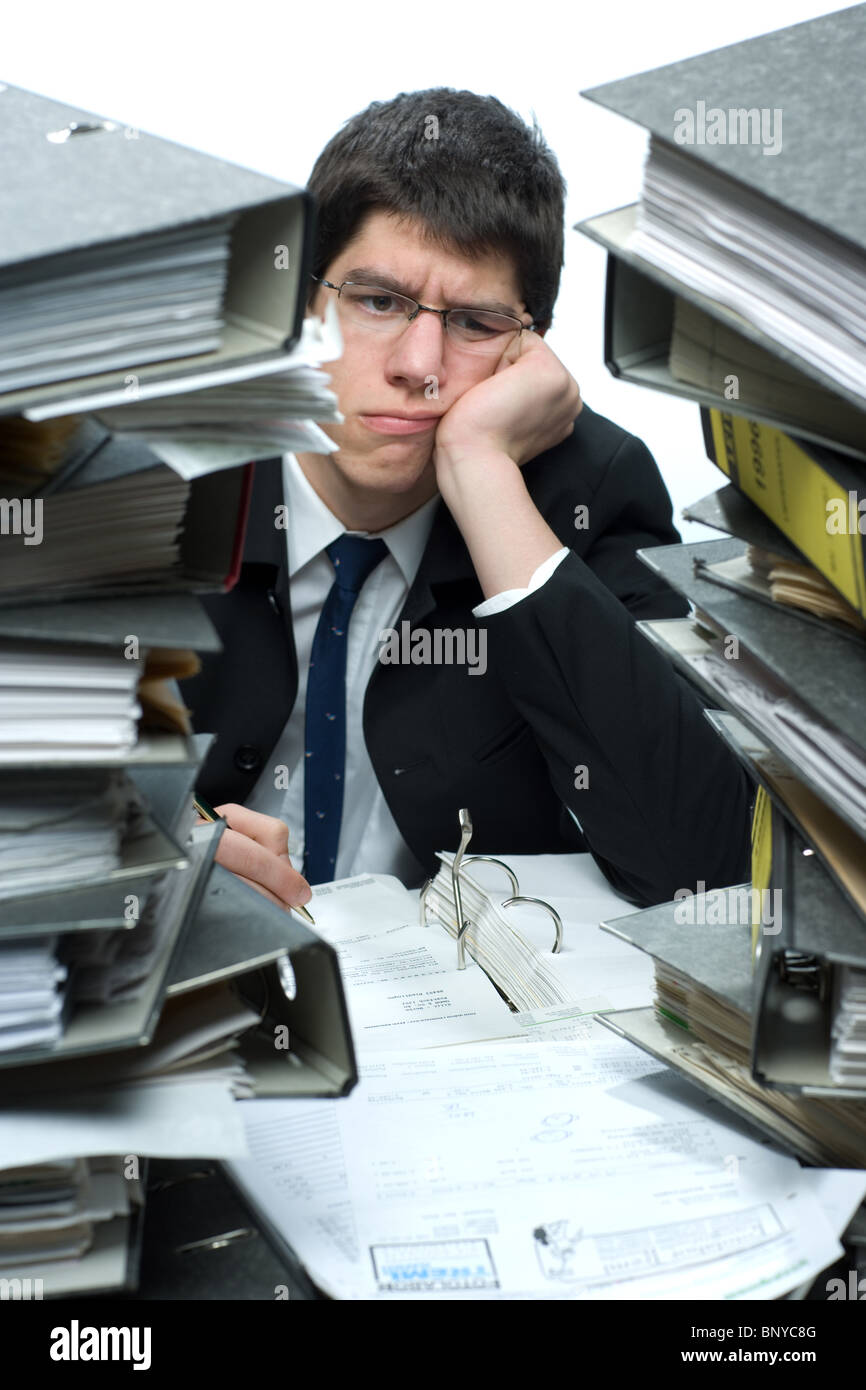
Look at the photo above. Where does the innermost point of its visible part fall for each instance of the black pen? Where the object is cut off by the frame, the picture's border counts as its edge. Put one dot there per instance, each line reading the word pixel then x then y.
pixel 208 813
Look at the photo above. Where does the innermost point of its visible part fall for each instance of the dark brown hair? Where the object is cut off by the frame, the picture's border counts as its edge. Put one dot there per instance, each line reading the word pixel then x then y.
pixel 464 165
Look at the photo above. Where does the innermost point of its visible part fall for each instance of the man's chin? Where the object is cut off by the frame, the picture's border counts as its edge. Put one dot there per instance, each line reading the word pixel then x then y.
pixel 397 465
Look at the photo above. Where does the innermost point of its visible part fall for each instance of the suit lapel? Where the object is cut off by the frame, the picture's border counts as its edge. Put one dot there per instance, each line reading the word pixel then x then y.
pixel 265 547
pixel 445 568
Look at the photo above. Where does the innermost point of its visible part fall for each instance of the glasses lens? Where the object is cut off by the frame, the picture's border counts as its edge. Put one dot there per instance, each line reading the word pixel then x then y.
pixel 370 306
pixel 476 330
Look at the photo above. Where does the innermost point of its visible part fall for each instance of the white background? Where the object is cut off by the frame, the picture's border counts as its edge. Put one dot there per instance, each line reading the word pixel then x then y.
pixel 266 83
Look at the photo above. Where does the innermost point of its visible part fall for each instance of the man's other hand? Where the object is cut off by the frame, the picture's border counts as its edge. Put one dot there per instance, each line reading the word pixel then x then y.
pixel 256 848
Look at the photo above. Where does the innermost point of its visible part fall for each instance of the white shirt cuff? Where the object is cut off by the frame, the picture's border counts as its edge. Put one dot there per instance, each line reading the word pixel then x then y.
pixel 499 602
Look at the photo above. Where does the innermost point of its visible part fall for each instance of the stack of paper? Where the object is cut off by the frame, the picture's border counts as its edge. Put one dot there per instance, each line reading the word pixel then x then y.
pixel 706 1036
pixel 704 1022
pixel 65 1225
pixel 829 761
pixel 402 984
pixel 798 284
pixel 514 946
pixel 101 309
pixel 195 1039
pixel 74 946
pixel 31 994
pixel 254 412
pixel 65 704
pixel 125 529
pixel 113 967
pixel 67 1221
pixel 60 829
pixel 702 353
pixel 804 740
pixel 548 1171
pixel 711 1016
pixel 848 1045
pixel 764 575
pixel 130 270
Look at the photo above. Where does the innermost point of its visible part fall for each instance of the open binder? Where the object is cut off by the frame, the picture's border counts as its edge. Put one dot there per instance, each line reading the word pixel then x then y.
pixel 302 1045
pixel 468 914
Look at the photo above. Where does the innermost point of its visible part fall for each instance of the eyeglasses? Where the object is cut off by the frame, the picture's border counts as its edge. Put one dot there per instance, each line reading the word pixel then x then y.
pixel 371 306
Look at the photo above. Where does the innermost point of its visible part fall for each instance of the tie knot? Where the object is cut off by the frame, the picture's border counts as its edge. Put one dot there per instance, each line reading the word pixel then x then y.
pixel 354 558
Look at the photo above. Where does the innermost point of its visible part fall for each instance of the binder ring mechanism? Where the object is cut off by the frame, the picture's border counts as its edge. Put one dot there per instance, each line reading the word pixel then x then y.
pixel 459 862
pixel 59 137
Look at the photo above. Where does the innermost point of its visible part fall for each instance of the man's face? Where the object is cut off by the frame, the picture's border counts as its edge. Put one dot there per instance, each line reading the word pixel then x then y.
pixel 392 390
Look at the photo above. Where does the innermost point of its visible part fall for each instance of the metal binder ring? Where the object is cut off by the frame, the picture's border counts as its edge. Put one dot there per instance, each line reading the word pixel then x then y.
pixel 488 859
pixel 539 902
pixel 473 859
pixel 422 902
pixel 216 1242
pixel 462 922
pixel 461 930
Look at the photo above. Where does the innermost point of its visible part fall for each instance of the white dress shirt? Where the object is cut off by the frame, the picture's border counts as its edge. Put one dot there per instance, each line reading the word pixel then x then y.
pixel 369 838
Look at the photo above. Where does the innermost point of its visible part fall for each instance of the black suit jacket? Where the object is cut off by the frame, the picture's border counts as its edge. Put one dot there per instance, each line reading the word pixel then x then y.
pixel 569 684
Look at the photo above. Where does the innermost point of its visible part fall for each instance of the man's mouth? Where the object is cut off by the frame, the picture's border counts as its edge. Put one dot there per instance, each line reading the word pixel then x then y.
pixel 399 424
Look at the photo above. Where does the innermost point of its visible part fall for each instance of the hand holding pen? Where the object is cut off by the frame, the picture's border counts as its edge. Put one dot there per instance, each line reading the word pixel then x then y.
pixel 256 848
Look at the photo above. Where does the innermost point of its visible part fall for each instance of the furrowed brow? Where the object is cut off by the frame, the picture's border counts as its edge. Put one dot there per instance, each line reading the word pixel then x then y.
pixel 370 275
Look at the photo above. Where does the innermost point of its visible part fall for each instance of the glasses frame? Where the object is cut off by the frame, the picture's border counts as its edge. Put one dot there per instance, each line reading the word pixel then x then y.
pixel 426 308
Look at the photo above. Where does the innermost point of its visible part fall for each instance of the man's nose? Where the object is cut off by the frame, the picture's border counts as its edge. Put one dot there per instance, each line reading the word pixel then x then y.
pixel 418 352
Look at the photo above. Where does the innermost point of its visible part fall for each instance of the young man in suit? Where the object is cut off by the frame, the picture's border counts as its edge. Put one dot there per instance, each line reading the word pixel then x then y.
pixel 441 613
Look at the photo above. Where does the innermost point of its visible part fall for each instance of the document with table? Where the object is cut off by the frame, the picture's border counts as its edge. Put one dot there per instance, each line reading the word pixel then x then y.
pixel 551 1170
pixel 540 1158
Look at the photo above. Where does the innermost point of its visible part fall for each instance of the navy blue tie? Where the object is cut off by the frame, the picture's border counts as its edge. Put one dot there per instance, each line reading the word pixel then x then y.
pixel 353 558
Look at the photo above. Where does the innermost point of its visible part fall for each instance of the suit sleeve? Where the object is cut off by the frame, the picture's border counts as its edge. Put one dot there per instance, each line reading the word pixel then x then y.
pixel 661 801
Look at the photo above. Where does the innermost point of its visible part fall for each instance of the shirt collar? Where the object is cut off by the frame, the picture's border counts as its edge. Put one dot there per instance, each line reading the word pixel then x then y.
pixel 312 525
